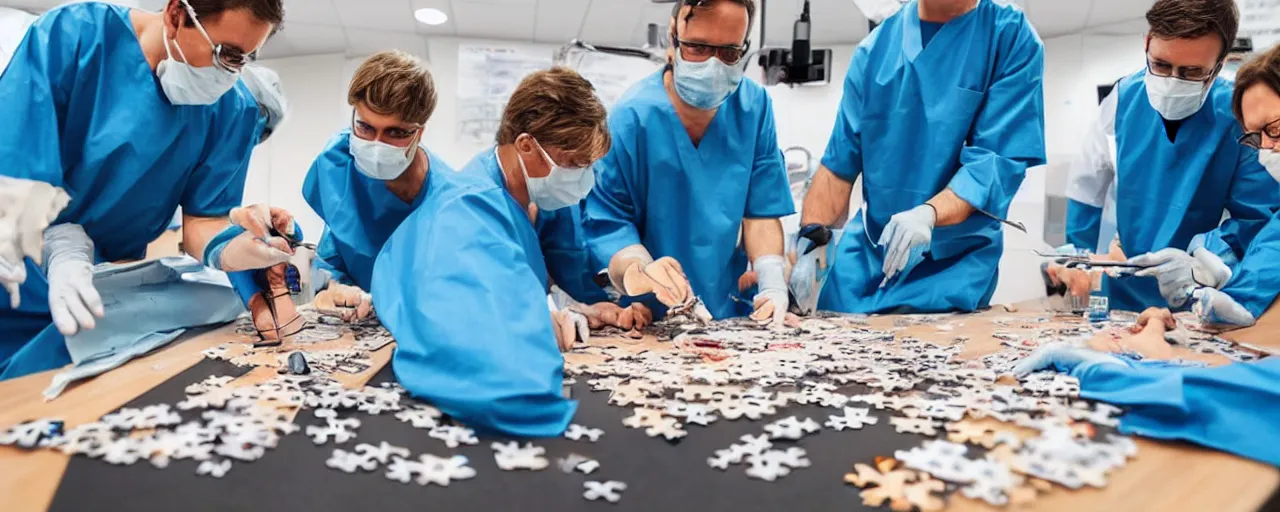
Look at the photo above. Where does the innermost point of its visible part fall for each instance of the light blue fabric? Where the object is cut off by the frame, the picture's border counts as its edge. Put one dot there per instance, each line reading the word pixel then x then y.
pixel 1190 181
pixel 359 212
pixel 655 187
pixel 1084 225
pixel 1224 408
pixel 915 121
pixel 84 111
pixel 560 237
pixel 462 285
pixel 1256 279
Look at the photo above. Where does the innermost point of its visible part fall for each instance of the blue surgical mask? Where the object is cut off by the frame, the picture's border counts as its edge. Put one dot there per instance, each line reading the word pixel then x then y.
pixel 705 85
pixel 564 187
pixel 185 84
pixel 379 160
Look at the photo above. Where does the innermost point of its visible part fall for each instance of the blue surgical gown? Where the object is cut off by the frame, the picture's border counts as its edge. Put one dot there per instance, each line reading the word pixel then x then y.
pixel 656 187
pixel 83 110
pixel 560 234
pixel 359 212
pixel 1256 279
pixel 1168 192
pixel 462 285
pixel 964 113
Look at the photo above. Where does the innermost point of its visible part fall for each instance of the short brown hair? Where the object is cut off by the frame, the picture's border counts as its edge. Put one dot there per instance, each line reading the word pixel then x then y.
pixel 1263 69
pixel 270 11
pixel 1189 19
pixel 560 109
pixel 394 83
pixel 750 5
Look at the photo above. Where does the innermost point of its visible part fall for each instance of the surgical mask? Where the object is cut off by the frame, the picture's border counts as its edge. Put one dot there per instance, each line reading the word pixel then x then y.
pixel 705 85
pixel 1270 159
pixel 563 187
pixel 379 160
pixel 185 84
pixel 1175 99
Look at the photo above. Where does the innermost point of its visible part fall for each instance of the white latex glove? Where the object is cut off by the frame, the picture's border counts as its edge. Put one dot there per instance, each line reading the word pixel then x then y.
pixel 771 300
pixel 349 303
pixel 247 252
pixel 1063 357
pixel 258 219
pixel 1215 307
pixel 73 301
pixel 1179 273
pixel 27 207
pixel 569 326
pixel 905 239
pixel 664 278
pixel 804 276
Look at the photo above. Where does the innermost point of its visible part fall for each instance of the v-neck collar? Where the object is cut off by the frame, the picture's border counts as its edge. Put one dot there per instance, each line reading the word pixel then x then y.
pixel 912 45
pixel 684 139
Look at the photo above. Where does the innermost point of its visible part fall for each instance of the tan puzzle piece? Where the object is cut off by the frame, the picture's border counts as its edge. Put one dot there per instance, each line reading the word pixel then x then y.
pixel 629 394
pixel 921 495
pixel 643 418
pixel 890 484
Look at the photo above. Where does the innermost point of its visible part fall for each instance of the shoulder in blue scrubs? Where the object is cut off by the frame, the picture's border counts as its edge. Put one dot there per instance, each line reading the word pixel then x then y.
pixel 919 116
pixel 83 110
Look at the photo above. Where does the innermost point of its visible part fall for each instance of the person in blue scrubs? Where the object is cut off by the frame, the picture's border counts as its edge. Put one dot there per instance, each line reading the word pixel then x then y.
pixel 695 178
pixel 462 283
pixel 1176 167
pixel 133 114
pixel 942 140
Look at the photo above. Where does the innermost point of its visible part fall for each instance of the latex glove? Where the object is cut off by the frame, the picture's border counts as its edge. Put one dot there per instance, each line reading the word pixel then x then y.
pixel 664 278
pixel 247 252
pixel 906 238
pixel 1179 273
pixel 258 219
pixel 771 300
pixel 349 303
pixel 804 275
pixel 27 207
pixel 1063 357
pixel 635 316
pixel 569 326
pixel 1215 307
pixel 73 301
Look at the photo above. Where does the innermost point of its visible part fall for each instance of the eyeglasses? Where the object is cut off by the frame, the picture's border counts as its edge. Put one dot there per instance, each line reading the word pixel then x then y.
pixel 698 52
pixel 224 57
pixel 1190 74
pixel 1254 139
pixel 393 134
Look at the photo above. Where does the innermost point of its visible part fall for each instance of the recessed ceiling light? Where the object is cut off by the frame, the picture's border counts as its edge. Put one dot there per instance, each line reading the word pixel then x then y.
pixel 431 16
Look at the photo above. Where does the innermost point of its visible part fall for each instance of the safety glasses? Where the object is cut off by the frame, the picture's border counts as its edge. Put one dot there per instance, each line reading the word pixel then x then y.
pixel 394 135
pixel 1254 139
pixel 698 52
pixel 225 58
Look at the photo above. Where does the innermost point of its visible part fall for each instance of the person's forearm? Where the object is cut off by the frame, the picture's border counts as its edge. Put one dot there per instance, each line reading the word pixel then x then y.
pixel 762 237
pixel 827 201
pixel 950 208
pixel 197 231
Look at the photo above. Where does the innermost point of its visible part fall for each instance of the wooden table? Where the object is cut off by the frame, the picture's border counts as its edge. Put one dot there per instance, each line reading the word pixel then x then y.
pixel 1164 476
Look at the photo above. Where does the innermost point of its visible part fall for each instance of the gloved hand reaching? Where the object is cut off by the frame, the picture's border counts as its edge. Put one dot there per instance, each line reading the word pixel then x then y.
pixel 807 258
pixel 906 238
pixel 27 207
pixel 1179 273
pixel 73 300
pixel 664 278
pixel 1215 307
pixel 1063 357
pixel 259 219
pixel 635 316
pixel 569 326
pixel 771 300
pixel 247 252
pixel 349 303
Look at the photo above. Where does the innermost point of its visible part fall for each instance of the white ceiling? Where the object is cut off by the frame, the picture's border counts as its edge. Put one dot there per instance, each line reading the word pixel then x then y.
pixel 360 27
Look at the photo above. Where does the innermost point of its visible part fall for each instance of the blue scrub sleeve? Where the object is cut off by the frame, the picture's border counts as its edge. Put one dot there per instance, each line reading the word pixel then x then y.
pixel 217 185
pixel 843 156
pixel 34 90
pixel 1007 136
pixel 330 260
pixel 769 193
pixel 470 317
pixel 564 247
pixel 1083 225
pixel 1254 199
pixel 1256 280
pixel 611 212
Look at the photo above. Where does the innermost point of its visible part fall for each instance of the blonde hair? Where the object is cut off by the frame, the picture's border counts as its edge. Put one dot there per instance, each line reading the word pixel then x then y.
pixel 394 83
pixel 559 108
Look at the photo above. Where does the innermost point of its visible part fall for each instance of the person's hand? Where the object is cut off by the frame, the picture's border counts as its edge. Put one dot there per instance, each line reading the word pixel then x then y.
pixel 634 316
pixel 771 299
pixel 1159 315
pixel 73 300
pixel 247 252
pixel 664 278
pixel 569 326
pixel 27 207
pixel 259 219
pixel 804 274
pixel 1217 308
pixel 1078 282
pixel 1179 273
pixel 349 303
pixel 906 238
pixel 1062 357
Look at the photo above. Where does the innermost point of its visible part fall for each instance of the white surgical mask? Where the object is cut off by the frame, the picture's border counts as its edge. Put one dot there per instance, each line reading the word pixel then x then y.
pixel 185 84
pixel 705 85
pixel 564 187
pixel 1270 159
pixel 379 160
pixel 1175 99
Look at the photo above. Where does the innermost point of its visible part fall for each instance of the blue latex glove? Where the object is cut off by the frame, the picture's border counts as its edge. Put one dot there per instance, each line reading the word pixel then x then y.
pixel 1065 358
pixel 804 275
pixel 1179 273
pixel 906 238
pixel 1215 307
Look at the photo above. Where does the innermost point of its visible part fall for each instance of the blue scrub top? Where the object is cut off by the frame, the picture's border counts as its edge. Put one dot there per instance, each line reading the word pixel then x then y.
pixel 1168 192
pixel 1256 279
pixel 560 235
pixel 688 202
pixel 917 120
pixel 84 111
pixel 359 212
pixel 461 284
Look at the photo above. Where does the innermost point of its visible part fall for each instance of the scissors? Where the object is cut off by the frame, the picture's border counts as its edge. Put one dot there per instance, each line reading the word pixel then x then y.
pixel 1084 263
pixel 294 243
